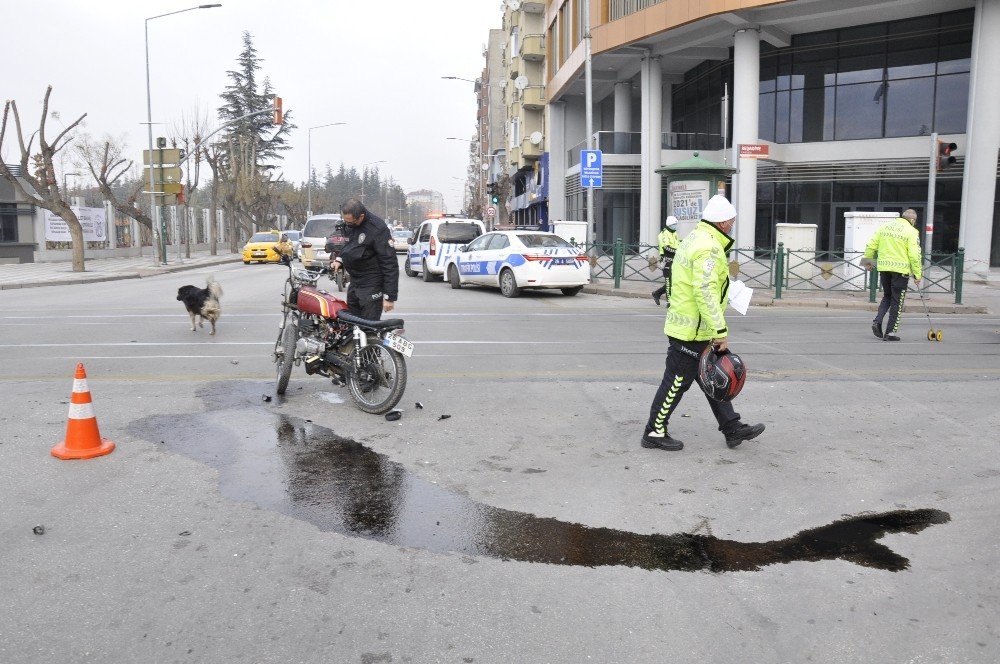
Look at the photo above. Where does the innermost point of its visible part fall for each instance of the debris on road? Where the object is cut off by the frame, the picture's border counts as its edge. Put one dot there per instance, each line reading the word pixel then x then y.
pixel 393 415
pixel 443 417
pixel 420 406
pixel 38 530
pixel 267 398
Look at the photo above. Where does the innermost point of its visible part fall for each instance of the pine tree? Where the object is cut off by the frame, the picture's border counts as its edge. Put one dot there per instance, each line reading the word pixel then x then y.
pixel 241 97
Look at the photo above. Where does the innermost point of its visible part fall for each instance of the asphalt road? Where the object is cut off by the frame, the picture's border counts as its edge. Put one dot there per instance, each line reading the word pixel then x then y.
pixel 216 533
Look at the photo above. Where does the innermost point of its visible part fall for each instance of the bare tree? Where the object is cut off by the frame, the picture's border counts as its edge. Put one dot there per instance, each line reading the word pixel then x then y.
pixel 41 178
pixel 111 170
pixel 213 157
pixel 190 131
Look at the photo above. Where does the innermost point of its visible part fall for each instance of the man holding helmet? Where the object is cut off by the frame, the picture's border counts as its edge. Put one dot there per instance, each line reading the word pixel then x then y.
pixel 668 242
pixel 696 327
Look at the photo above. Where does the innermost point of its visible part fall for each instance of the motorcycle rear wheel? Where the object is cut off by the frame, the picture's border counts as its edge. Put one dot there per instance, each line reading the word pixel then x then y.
pixel 379 384
pixel 285 357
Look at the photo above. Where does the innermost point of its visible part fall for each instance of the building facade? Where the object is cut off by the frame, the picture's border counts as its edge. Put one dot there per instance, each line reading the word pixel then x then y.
pixel 524 98
pixel 844 96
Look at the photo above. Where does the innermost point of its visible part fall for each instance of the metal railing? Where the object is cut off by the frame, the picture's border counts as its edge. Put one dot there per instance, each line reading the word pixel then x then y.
pixel 778 269
pixel 609 142
pixel 620 8
pixel 672 140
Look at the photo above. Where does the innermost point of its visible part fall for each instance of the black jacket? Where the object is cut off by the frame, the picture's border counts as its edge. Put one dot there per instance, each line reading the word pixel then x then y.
pixel 369 257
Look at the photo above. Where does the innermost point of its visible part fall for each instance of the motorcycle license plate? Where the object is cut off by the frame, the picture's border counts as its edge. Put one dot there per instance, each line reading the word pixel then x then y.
pixel 398 344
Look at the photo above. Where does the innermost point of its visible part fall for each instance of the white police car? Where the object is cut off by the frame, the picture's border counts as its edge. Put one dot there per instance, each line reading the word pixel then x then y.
pixel 515 260
pixel 435 241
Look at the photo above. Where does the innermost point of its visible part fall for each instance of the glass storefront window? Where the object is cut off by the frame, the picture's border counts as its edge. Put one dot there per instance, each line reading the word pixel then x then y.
pixel 909 107
pixel 859 111
pixel 765 117
pixel 911 64
pixel 902 78
pixel 951 104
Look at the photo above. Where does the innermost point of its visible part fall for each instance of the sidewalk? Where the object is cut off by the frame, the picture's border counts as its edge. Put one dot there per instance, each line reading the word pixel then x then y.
pixel 977 297
pixel 30 275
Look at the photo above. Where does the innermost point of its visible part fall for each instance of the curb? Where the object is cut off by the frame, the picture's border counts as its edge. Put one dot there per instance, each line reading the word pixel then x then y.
pixel 140 273
pixel 770 302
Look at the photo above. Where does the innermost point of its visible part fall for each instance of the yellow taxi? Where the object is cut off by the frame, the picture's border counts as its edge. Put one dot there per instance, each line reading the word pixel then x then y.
pixel 262 247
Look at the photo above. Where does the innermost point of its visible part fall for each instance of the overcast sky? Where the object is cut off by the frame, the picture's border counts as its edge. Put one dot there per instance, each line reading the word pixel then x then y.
pixel 374 64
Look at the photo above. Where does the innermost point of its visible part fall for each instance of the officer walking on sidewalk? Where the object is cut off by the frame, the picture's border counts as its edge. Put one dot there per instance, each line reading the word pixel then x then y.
pixel 668 242
pixel 700 283
pixel 897 244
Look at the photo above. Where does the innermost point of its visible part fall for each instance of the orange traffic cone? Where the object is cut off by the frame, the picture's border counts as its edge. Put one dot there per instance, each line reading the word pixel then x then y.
pixel 83 439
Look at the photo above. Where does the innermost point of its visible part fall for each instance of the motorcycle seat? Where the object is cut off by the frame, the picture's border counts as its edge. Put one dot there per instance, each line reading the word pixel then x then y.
pixel 389 323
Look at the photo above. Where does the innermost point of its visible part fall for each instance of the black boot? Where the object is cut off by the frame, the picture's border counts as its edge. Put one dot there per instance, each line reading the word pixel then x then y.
pixel 877 328
pixel 656 297
pixel 743 432
pixel 653 440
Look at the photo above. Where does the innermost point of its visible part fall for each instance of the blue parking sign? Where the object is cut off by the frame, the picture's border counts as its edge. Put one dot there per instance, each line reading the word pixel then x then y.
pixel 591 168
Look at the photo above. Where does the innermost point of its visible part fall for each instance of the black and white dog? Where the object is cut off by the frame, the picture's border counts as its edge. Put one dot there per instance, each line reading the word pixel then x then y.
pixel 202 302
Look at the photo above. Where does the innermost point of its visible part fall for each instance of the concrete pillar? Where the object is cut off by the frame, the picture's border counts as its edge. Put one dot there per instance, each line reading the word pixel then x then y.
pixel 557 160
pixel 983 139
pixel 746 93
pixel 623 106
pixel 652 118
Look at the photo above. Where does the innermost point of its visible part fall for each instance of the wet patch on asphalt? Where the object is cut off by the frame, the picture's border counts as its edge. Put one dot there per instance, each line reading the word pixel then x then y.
pixel 306 471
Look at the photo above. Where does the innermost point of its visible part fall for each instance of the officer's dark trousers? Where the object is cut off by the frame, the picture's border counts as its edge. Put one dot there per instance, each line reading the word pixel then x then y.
pixel 364 302
pixel 682 368
pixel 893 296
pixel 665 288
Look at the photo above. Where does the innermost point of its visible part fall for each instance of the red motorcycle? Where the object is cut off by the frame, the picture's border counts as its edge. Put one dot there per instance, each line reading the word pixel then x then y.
pixel 369 356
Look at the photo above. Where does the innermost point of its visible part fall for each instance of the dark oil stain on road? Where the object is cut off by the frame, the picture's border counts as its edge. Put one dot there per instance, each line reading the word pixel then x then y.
pixel 307 472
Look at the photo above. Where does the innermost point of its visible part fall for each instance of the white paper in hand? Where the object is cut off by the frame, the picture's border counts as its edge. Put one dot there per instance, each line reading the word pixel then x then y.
pixel 739 296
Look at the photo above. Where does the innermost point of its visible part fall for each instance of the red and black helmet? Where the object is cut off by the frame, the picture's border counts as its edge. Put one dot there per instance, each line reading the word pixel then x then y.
pixel 721 374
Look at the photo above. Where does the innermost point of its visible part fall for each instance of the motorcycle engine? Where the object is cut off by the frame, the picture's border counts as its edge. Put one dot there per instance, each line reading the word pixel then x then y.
pixel 307 347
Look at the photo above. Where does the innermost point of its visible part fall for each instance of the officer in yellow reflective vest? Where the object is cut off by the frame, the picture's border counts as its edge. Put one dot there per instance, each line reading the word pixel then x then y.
pixel 668 242
pixel 699 286
pixel 897 244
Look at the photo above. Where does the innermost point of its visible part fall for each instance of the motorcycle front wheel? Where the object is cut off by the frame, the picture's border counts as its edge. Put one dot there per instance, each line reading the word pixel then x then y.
pixel 285 356
pixel 379 383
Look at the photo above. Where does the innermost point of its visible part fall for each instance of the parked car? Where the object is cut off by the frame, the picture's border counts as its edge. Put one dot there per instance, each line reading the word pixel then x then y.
pixel 436 240
pixel 261 248
pixel 312 244
pixel 515 260
pixel 401 240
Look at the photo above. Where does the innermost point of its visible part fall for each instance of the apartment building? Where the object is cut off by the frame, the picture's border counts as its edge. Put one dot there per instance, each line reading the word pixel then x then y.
pixel 523 90
pixel 844 97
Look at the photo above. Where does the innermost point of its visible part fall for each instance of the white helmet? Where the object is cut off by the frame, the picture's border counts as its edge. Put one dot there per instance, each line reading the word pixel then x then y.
pixel 718 210
pixel 671 222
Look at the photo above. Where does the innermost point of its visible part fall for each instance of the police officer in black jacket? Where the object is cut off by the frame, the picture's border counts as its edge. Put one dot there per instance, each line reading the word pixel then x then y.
pixel 371 261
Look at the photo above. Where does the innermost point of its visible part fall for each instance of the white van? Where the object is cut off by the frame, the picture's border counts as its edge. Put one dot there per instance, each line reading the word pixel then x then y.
pixel 312 245
pixel 435 240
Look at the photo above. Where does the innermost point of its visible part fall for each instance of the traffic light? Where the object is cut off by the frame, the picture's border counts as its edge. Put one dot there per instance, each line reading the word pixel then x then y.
pixel 494 192
pixel 494 199
pixel 945 156
pixel 161 142
pixel 278 118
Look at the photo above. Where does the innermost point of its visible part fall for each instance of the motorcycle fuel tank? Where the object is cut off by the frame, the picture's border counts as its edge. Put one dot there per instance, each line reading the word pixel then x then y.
pixel 314 301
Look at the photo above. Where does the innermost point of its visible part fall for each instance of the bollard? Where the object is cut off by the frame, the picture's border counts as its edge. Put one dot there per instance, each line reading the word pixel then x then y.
pixel 618 264
pixel 958 266
pixel 873 284
pixel 779 267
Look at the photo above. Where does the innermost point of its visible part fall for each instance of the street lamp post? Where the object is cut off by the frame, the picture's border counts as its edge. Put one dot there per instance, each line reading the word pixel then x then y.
pixel 363 171
pixel 309 190
pixel 154 208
